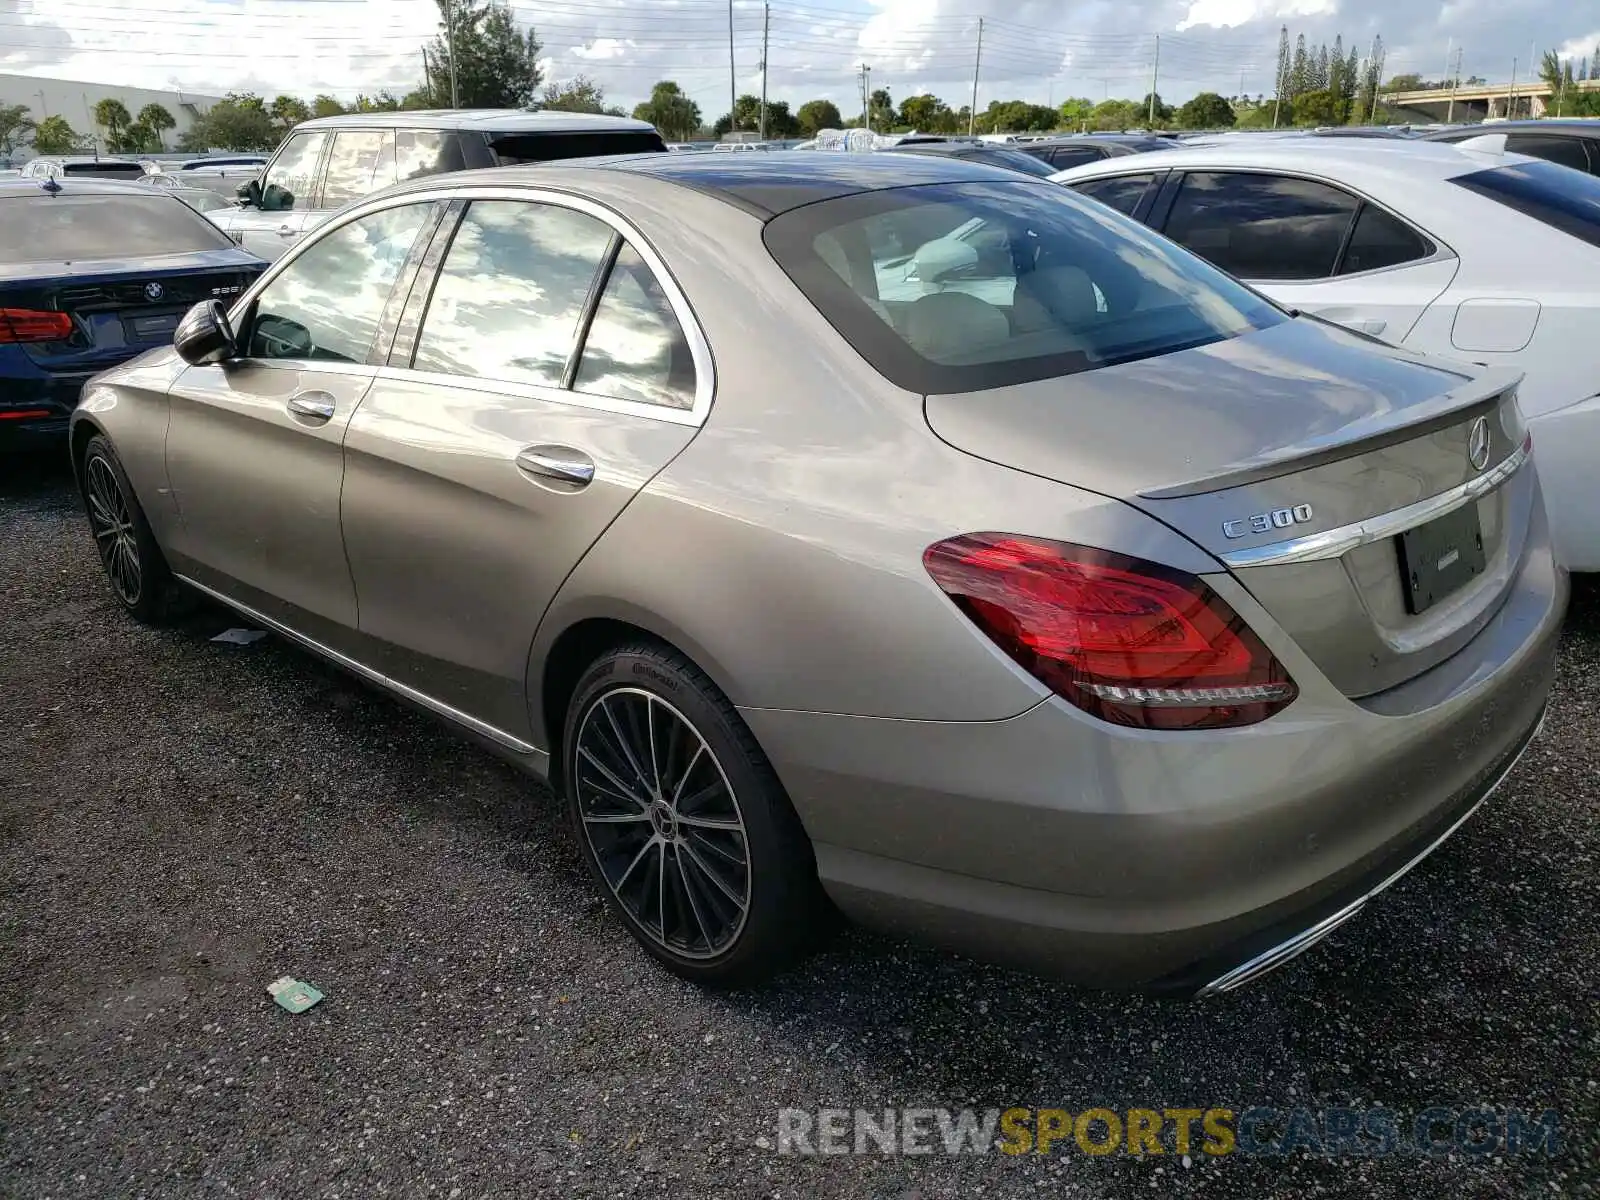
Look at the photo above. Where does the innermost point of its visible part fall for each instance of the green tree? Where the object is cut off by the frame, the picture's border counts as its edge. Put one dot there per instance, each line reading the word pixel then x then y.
pixel 926 113
pixel 1259 116
pixel 1300 68
pixel 419 99
pixel 55 136
pixel 238 122
pixel 1410 82
pixel 16 127
pixel 817 115
pixel 497 64
pixel 155 120
pixel 670 111
pixel 1116 114
pixel 747 109
pixel 326 106
pixel 114 116
pixel 880 110
pixel 1206 111
pixel 288 111
pixel 384 101
pixel 1164 112
pixel 1075 112
pixel 579 94
pixel 1316 108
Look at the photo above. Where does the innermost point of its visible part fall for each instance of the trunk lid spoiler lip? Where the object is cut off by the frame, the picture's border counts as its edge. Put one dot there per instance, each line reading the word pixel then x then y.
pixel 1480 393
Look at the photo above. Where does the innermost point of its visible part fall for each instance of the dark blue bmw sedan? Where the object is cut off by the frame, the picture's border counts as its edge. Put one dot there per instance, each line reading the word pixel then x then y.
pixel 93 272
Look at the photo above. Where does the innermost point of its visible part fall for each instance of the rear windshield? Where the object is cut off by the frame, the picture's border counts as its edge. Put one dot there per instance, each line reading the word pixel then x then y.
pixel 104 170
pixel 75 228
pixel 512 149
pixel 962 287
pixel 1558 196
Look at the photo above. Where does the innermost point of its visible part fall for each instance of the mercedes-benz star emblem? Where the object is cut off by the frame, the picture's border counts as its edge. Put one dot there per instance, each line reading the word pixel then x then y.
pixel 154 291
pixel 1478 444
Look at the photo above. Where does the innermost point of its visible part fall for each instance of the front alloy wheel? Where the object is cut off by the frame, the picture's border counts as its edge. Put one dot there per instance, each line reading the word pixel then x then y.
pixel 662 822
pixel 114 533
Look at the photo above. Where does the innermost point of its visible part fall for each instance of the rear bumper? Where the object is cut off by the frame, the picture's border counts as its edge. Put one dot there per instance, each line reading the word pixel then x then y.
pixel 53 400
pixel 1123 858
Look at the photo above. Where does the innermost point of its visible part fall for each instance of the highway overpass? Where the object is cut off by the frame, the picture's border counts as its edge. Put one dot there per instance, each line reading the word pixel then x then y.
pixel 1532 97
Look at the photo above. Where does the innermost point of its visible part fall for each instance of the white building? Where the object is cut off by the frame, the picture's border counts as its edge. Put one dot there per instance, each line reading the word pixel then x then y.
pixel 75 100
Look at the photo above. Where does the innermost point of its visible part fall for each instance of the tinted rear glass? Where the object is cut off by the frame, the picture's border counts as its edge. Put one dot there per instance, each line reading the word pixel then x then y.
pixel 962 287
pixel 105 170
pixel 510 149
pixel 1557 196
pixel 71 228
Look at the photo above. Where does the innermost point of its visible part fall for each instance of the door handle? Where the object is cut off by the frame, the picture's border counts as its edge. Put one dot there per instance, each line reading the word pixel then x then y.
pixel 287 231
pixel 561 463
pixel 318 406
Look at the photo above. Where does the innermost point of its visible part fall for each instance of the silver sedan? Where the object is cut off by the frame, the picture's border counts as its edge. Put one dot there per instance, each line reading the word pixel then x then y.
pixel 884 531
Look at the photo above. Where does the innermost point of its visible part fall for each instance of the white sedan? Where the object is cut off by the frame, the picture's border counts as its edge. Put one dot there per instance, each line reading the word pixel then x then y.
pixel 1491 258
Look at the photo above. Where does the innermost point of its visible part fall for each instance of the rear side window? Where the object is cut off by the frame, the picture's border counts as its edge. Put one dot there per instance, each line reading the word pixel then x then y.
pixel 1261 226
pixel 962 287
pixel 1552 195
pixel 512 291
pixel 1568 151
pixel 510 149
pixel 1380 240
pixel 635 348
pixel 422 152
pixel 78 228
pixel 361 162
pixel 1121 192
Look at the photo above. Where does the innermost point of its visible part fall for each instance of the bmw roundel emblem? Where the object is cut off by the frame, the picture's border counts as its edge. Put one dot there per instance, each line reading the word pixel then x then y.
pixel 154 291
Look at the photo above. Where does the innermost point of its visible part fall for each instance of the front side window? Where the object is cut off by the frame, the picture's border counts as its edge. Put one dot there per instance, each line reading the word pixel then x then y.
pixel 962 287
pixel 1261 226
pixel 361 162
pixel 295 167
pixel 511 292
pixel 635 348
pixel 1552 195
pixel 326 304
pixel 1121 192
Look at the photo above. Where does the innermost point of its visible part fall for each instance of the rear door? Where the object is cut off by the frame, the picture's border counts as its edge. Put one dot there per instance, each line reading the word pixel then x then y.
pixel 1313 246
pixel 254 445
pixel 551 375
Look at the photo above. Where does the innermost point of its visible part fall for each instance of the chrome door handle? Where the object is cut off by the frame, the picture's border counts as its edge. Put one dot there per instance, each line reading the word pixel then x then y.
pixel 557 462
pixel 318 406
pixel 287 231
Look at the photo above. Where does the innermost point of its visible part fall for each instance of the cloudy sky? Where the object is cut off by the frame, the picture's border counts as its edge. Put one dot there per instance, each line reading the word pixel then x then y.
pixel 1039 50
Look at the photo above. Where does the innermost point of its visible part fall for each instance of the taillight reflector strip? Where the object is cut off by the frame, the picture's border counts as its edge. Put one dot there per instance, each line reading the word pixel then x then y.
pixel 1131 642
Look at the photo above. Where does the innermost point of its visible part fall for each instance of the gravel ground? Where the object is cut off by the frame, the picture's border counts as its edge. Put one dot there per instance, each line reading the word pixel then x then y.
pixel 183 822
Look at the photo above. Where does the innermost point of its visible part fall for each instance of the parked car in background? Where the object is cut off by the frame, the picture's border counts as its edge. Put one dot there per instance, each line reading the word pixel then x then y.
pixel 92 273
pixel 1490 258
pixel 1063 153
pixel 201 199
pixel 1012 158
pixel 225 179
pixel 327 163
pixel 1128 627
pixel 1571 142
pixel 80 166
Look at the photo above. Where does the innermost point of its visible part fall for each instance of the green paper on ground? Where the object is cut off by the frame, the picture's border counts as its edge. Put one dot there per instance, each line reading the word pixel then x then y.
pixel 293 995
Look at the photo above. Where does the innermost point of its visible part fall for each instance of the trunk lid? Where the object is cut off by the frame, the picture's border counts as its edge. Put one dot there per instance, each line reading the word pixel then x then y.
pixel 1253 445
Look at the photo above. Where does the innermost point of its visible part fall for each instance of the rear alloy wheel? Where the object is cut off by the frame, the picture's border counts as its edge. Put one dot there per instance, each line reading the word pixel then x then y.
pixel 133 562
pixel 683 822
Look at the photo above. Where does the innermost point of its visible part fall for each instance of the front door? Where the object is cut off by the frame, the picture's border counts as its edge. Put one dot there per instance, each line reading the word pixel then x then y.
pixel 255 445
pixel 288 187
pixel 479 472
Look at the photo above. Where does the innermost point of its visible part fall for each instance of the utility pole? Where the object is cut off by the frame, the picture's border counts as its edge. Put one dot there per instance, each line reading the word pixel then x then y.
pixel 733 78
pixel 1155 75
pixel 1376 70
pixel 1455 82
pixel 977 66
pixel 450 46
pixel 427 75
pixel 766 21
pixel 866 97
pixel 1283 69
pixel 1511 91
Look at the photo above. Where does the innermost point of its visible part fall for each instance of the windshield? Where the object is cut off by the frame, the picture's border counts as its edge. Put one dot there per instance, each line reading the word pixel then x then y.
pixel 76 228
pixel 961 287
pixel 1558 196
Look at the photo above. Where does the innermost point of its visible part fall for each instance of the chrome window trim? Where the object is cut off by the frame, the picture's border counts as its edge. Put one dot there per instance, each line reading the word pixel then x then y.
pixel 483 728
pixel 1334 543
pixel 699 347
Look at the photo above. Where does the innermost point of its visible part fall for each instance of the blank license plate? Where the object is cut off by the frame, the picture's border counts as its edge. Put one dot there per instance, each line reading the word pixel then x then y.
pixel 1437 558
pixel 159 328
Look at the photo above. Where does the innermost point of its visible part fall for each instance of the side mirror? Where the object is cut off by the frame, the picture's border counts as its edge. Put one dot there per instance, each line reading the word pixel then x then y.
pixel 249 194
pixel 205 335
pixel 275 199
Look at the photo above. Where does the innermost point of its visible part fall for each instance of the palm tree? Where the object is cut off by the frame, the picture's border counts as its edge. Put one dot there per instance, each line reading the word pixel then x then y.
pixel 157 120
pixel 114 115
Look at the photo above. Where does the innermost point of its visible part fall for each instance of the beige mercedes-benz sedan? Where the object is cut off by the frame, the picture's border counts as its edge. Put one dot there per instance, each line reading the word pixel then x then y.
pixel 888 531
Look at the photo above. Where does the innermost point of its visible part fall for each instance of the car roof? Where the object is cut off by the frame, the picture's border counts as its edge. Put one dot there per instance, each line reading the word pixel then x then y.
pixel 1586 127
pixel 763 185
pixel 11 189
pixel 1409 157
pixel 498 120
pixel 73 160
pixel 1100 139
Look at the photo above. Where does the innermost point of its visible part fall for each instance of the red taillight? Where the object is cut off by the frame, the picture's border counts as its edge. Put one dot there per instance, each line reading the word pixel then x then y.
pixel 34 325
pixel 1128 641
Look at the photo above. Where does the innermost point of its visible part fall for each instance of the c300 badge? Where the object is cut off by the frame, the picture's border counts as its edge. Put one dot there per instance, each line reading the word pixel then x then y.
pixel 1266 522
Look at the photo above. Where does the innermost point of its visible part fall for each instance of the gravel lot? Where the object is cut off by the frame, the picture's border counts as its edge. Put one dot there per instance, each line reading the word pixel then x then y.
pixel 183 822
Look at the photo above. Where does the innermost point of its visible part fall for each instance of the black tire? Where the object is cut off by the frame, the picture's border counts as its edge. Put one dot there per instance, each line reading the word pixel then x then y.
pixel 134 565
pixel 690 867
